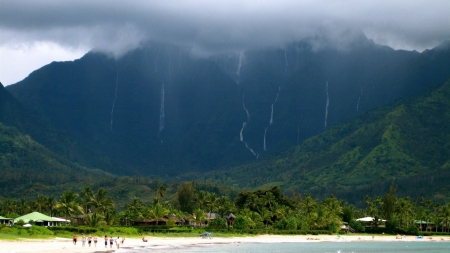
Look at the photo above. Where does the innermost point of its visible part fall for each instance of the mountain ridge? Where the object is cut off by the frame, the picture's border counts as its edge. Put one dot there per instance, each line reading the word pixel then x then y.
pixel 220 111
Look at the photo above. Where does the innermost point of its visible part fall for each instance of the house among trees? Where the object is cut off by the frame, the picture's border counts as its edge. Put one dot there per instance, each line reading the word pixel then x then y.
pixel 41 219
pixel 7 221
pixel 424 225
pixel 230 219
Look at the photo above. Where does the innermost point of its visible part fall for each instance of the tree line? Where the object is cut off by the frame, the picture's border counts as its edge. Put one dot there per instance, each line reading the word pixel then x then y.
pixel 262 209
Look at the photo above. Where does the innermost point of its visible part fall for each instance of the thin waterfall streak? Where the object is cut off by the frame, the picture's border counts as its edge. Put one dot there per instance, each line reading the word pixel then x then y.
pixel 242 132
pixel 271 116
pixel 278 93
pixel 326 107
pixel 114 103
pixel 162 110
pixel 241 58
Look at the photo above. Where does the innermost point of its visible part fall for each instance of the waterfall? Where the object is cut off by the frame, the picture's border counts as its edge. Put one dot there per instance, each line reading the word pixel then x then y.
pixel 241 59
pixel 161 111
pixel 241 133
pixel 271 117
pixel 114 103
pixel 326 107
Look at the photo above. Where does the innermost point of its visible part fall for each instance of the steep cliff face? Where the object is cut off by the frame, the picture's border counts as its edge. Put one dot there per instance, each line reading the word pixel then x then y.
pixel 159 110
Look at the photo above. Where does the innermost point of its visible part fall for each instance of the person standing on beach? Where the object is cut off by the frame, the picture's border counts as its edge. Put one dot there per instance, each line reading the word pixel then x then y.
pixel 95 240
pixel 89 240
pixel 118 242
pixel 74 239
pixel 106 241
pixel 83 240
pixel 111 242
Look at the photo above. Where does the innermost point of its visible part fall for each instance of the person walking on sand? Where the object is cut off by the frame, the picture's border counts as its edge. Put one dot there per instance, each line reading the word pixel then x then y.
pixel 74 239
pixel 83 240
pixel 118 242
pixel 106 241
pixel 111 242
pixel 89 240
pixel 95 240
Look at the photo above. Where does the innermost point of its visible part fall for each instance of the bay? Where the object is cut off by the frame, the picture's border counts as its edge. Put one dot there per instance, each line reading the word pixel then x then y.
pixel 303 247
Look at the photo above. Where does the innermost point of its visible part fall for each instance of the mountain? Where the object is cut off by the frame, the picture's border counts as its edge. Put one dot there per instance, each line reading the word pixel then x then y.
pixel 13 114
pixel 159 110
pixel 405 143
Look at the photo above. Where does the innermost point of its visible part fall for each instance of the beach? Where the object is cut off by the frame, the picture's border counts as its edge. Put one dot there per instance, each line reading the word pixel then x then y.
pixel 66 245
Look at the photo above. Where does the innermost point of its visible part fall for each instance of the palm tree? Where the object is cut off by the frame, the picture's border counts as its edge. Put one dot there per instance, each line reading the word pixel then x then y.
pixel 200 199
pixel 157 212
pixel 40 203
pixel 68 204
pixel 269 199
pixel 266 216
pixel 404 209
pixel 308 204
pixel 135 208
pixel 199 217
pixel 88 195
pixel 11 206
pixel 94 220
pixel 24 206
pixel 212 202
pixel 101 201
pixel 160 192
pixel 50 205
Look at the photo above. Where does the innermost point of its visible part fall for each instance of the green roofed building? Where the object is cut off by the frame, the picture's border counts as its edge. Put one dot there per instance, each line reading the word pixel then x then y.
pixel 4 220
pixel 41 219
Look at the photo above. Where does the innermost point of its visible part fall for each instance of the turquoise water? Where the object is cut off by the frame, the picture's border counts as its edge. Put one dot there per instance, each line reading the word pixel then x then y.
pixel 308 247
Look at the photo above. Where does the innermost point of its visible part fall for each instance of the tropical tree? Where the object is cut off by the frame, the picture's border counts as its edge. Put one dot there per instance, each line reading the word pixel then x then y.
pixel 160 192
pixel 40 203
pixel 212 201
pixel 307 204
pixel 101 201
pixel 68 204
pixel 94 220
pixel 23 206
pixel 50 205
pixel 185 197
pixel 88 195
pixel 157 212
pixel 135 208
pixel 200 199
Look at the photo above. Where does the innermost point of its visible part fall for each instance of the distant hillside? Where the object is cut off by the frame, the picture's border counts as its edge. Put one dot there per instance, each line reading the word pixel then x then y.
pixel 161 111
pixel 12 113
pixel 406 143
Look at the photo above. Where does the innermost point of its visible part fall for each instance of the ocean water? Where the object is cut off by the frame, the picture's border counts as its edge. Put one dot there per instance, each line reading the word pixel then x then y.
pixel 303 247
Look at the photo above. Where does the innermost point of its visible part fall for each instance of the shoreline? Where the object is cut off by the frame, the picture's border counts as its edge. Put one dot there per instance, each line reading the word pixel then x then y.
pixel 65 245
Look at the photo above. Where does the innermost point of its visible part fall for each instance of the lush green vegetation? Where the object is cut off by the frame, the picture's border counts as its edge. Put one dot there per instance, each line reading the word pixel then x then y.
pixel 256 212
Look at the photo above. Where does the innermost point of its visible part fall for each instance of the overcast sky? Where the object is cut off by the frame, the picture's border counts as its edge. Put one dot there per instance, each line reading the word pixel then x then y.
pixel 34 33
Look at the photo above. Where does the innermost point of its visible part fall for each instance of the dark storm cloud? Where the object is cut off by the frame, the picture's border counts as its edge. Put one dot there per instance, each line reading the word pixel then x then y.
pixel 220 26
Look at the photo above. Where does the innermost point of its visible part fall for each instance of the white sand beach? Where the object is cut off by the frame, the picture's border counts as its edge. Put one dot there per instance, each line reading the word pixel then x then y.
pixel 65 245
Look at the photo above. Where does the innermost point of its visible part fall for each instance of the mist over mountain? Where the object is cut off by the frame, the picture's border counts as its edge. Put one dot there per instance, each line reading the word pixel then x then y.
pixel 161 110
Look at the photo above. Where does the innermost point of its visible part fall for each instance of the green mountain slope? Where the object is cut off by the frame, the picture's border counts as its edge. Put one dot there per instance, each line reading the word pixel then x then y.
pixel 406 143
